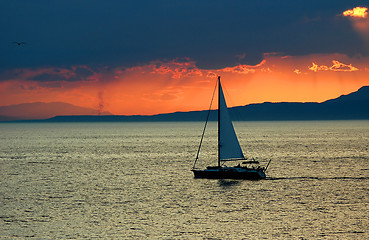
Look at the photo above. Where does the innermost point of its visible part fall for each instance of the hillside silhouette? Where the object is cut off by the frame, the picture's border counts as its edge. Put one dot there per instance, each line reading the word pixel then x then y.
pixel 40 110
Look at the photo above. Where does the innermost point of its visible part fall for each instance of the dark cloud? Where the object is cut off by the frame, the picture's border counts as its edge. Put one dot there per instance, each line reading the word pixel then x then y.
pixel 70 75
pixel 83 72
pixel 47 77
pixel 213 33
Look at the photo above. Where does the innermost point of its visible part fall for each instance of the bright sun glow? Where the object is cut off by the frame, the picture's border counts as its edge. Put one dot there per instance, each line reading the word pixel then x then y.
pixel 360 12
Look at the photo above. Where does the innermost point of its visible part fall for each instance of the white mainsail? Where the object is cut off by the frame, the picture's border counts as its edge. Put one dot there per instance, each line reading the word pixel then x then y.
pixel 229 147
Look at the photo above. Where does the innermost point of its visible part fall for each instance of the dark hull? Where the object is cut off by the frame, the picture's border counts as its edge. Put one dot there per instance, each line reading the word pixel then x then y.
pixel 230 173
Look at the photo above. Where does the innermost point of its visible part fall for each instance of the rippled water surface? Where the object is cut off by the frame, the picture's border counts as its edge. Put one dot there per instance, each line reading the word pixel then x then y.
pixel 133 181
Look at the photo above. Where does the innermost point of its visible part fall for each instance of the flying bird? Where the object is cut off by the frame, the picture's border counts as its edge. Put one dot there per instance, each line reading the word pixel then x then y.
pixel 19 43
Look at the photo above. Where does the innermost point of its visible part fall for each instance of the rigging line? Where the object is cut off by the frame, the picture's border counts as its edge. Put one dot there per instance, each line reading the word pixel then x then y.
pixel 206 122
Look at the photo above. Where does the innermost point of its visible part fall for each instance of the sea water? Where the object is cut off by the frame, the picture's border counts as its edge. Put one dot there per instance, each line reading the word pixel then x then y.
pixel 133 181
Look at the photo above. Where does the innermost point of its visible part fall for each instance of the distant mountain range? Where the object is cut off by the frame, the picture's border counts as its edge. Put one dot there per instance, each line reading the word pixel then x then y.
pixel 39 110
pixel 346 107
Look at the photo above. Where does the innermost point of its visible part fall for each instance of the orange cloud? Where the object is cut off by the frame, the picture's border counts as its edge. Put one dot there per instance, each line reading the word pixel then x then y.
pixel 337 66
pixel 176 69
pixel 358 12
pixel 244 69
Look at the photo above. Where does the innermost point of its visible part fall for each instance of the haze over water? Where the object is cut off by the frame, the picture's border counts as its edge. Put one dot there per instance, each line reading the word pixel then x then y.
pixel 133 181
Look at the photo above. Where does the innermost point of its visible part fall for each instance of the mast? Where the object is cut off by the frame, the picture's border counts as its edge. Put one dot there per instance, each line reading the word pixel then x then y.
pixel 219 121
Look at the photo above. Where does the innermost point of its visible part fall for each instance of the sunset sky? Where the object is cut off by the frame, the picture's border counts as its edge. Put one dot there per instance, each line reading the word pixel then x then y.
pixel 149 57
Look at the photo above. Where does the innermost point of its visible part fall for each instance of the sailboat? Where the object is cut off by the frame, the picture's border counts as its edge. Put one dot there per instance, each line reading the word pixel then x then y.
pixel 229 150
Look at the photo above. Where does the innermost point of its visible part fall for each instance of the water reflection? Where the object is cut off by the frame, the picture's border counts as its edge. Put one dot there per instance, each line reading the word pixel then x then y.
pixel 317 178
pixel 131 181
pixel 225 183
